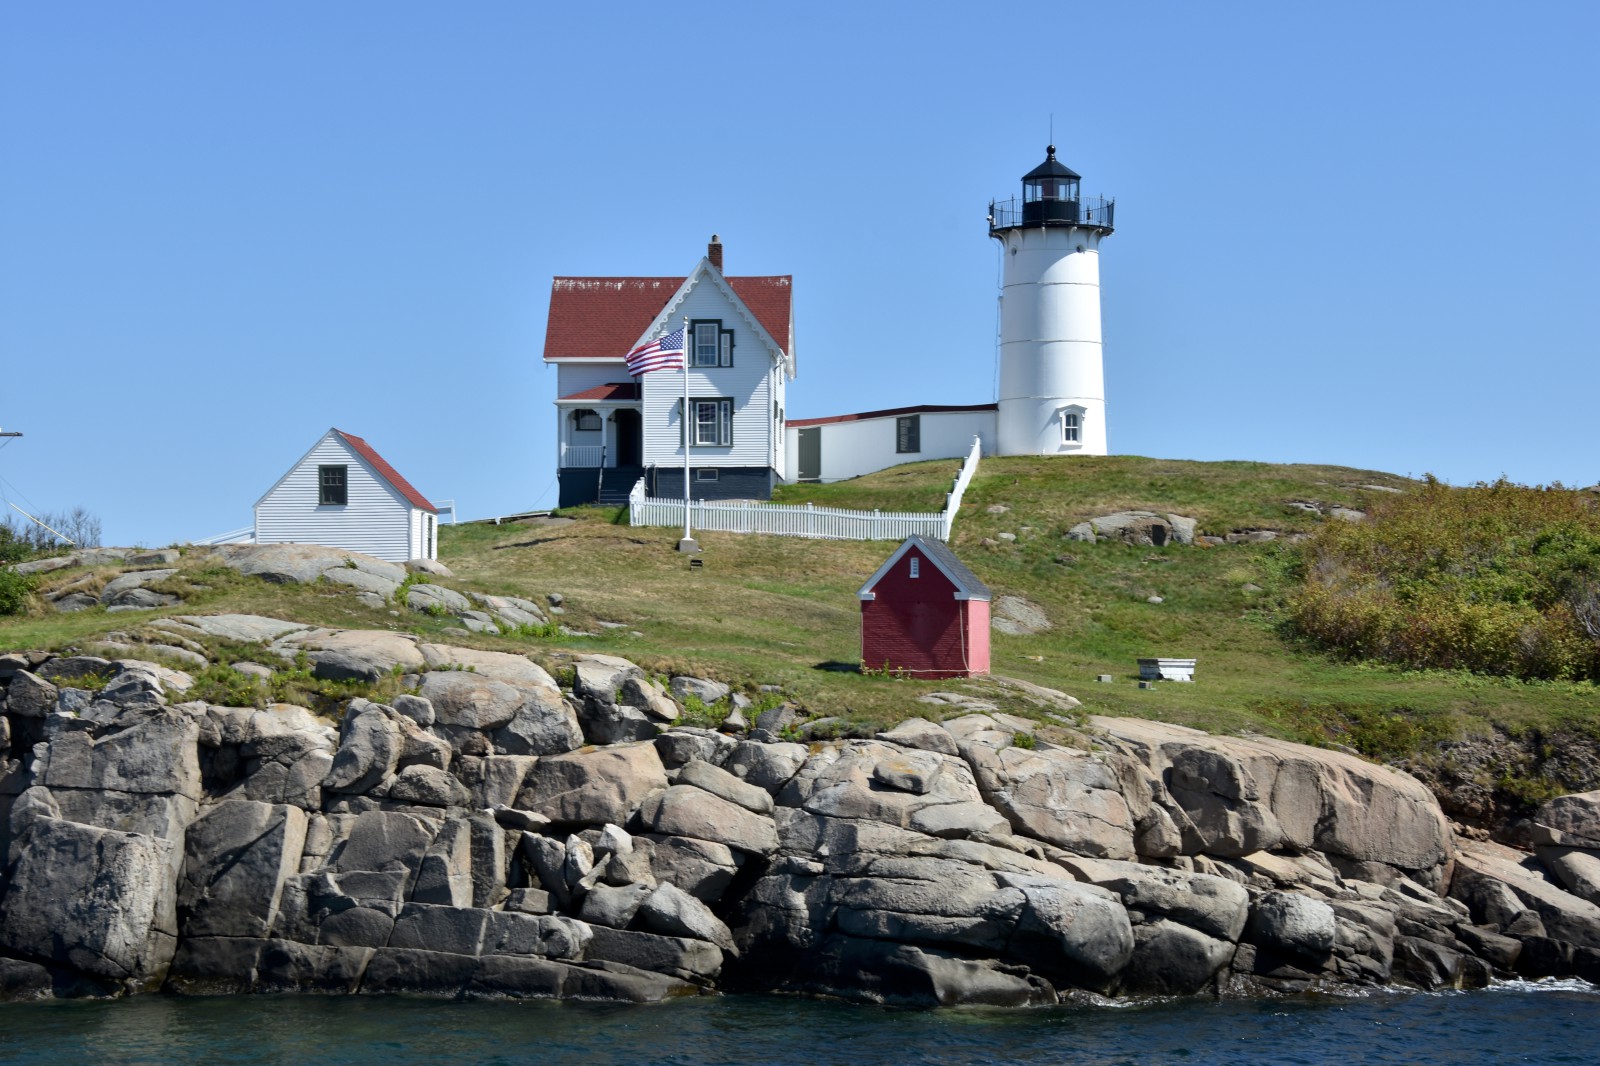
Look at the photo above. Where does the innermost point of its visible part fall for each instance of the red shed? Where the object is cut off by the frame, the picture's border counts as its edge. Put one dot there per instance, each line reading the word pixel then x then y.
pixel 925 614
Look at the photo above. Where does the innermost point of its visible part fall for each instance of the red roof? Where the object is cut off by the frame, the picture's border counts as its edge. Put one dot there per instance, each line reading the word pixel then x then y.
pixel 387 472
pixel 924 409
pixel 627 390
pixel 601 318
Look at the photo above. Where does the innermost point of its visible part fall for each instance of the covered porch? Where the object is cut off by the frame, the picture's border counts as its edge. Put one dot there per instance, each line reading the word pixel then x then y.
pixel 600 435
pixel 601 428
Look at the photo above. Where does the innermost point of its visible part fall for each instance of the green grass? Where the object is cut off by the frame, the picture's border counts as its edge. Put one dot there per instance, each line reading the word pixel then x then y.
pixel 784 611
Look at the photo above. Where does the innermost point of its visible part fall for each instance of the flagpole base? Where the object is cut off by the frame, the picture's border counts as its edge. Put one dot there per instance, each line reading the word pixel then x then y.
pixel 689 546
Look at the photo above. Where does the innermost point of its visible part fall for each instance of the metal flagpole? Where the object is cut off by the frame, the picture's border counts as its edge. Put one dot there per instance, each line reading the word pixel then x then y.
pixel 687 544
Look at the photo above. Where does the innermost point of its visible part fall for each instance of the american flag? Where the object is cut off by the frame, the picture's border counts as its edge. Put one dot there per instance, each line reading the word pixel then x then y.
pixel 665 353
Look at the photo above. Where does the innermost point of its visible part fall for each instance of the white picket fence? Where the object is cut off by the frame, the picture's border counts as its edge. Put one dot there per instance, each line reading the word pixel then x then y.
pixel 805 520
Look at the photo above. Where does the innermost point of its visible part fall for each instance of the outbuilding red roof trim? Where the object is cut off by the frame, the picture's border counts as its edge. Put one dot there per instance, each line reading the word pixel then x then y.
pixel 601 318
pixel 387 472
pixel 924 409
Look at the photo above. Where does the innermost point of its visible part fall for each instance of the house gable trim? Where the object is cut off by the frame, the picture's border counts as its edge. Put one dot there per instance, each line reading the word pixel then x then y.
pixel 704 270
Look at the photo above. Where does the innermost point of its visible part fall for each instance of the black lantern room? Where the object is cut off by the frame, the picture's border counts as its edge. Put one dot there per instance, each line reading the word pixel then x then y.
pixel 1050 191
pixel 1050 197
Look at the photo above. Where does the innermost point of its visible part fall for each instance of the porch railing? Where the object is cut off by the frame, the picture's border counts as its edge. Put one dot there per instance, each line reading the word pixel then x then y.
pixel 582 455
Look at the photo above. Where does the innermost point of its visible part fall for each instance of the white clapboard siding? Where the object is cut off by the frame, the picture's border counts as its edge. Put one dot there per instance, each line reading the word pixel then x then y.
pixel 804 520
pixel 377 520
pixel 576 377
pixel 748 383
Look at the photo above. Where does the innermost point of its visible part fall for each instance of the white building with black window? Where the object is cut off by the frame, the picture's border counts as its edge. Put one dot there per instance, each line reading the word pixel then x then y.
pixel 613 429
pixel 343 494
pixel 845 446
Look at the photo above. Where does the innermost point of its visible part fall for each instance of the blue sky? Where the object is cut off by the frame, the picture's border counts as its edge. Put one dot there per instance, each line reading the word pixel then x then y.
pixel 1359 233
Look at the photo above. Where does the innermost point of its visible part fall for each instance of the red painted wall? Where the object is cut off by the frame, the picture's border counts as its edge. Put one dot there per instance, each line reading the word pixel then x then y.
pixel 917 625
pixel 977 635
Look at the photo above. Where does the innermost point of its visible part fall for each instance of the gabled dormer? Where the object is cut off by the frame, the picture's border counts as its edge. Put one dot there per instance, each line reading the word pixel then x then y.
pixel 599 319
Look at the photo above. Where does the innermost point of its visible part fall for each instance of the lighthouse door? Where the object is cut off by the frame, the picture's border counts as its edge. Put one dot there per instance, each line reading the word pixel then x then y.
pixel 810 468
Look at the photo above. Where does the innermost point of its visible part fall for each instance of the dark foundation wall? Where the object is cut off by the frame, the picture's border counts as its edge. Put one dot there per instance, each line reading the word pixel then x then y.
pixel 732 483
pixel 582 484
pixel 578 485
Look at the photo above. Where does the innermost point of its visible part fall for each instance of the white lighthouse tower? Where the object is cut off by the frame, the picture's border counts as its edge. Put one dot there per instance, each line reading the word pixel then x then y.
pixel 1052 384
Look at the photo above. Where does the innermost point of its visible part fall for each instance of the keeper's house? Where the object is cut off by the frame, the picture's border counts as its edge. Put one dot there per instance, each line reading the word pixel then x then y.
pixel 343 494
pixel 925 614
pixel 613 429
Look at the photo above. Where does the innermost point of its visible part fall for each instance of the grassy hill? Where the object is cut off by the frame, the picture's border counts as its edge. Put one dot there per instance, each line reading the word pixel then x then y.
pixel 783 611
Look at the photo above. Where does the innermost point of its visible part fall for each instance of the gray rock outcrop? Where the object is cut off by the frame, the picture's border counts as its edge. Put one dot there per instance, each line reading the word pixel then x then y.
pixel 465 840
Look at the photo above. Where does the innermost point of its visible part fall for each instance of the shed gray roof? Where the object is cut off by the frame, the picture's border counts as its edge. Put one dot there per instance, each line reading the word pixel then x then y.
pixel 968 585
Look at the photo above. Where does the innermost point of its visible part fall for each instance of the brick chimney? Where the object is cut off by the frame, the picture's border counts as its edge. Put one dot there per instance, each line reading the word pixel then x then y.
pixel 714 252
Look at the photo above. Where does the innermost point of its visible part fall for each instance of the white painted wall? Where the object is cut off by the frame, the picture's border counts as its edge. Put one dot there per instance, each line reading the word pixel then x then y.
pixel 749 383
pixel 780 439
pixel 575 377
pixel 377 520
pixel 850 449
pixel 1050 343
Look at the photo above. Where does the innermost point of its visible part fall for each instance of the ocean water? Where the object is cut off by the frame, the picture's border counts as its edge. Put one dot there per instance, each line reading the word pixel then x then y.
pixel 1543 1022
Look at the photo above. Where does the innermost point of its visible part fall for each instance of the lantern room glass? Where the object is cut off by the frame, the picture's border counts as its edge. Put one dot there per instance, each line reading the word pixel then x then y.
pixel 1036 189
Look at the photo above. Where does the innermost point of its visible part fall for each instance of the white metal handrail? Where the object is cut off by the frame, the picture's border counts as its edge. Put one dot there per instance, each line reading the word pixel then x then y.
pixel 247 535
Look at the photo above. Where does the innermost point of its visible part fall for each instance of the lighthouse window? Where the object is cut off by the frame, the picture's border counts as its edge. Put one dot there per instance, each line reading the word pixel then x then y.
pixel 1070 428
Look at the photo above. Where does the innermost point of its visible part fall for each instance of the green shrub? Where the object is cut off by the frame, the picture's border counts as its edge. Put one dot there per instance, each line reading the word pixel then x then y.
pixel 14 590
pixel 1496 578
pixel 696 713
pixel 13 549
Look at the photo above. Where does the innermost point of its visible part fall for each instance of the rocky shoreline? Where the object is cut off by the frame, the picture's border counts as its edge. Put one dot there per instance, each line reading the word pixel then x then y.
pixel 490 832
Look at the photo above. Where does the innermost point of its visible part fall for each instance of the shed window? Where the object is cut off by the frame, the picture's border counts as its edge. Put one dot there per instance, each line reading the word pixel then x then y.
pixel 916 566
pixel 332 489
pixel 585 419
pixel 908 433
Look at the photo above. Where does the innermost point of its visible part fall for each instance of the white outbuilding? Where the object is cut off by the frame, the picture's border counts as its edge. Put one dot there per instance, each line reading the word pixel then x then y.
pixel 343 494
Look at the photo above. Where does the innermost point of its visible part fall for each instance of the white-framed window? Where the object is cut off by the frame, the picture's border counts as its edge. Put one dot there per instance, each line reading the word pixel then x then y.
pixel 711 422
pixel 1071 427
pixel 711 344
pixel 584 420
pixel 916 566
pixel 705 473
